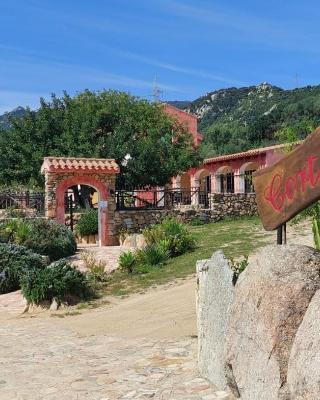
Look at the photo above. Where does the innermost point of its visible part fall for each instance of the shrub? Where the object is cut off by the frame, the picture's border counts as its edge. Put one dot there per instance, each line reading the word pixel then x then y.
pixel 4 234
pixel 154 234
pixel 58 280
pixel 50 239
pixel 96 268
pixel 127 261
pixel 197 221
pixel 88 223
pixel 17 230
pixel 15 262
pixel 152 255
pixel 176 234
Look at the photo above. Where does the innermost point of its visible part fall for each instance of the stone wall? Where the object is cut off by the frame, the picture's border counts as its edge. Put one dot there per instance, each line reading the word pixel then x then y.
pixel 222 205
pixel 232 205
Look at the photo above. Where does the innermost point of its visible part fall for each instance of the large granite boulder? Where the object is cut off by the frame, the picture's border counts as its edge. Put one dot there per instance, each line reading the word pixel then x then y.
pixel 214 299
pixel 271 299
pixel 304 361
pixel 134 241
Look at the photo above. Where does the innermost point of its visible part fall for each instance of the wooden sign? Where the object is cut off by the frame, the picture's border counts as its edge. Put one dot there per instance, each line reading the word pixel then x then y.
pixel 289 186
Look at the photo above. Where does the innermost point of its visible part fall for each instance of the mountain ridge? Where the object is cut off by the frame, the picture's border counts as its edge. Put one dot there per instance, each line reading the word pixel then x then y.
pixel 17 112
pixel 238 119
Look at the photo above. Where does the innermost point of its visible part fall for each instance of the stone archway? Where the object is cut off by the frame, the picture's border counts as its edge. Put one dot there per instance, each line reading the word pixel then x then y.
pixel 62 173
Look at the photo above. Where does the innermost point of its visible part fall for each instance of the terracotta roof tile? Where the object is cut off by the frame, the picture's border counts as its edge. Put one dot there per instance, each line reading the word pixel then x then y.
pixel 249 153
pixel 65 164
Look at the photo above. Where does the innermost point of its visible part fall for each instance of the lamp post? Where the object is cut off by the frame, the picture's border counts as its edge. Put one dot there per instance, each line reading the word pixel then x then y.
pixel 124 163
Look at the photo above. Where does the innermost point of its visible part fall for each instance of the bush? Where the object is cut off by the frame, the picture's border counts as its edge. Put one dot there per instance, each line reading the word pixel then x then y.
pixel 197 221
pixel 176 234
pixel 15 262
pixel 96 268
pixel 127 261
pixel 57 281
pixel 51 239
pixel 88 223
pixel 152 255
pixel 16 231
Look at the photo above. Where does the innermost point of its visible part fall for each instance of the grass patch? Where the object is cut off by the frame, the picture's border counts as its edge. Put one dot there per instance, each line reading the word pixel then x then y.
pixel 235 237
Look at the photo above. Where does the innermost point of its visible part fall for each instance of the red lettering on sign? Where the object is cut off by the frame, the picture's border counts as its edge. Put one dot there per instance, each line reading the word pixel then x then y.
pixel 272 193
pixel 280 190
pixel 290 187
pixel 310 169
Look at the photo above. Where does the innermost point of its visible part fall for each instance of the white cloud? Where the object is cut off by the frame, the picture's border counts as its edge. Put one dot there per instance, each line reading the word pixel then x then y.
pixel 176 68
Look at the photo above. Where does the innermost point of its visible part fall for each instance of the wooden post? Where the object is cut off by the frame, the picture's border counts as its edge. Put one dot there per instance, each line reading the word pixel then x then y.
pixel 279 234
pixel 284 233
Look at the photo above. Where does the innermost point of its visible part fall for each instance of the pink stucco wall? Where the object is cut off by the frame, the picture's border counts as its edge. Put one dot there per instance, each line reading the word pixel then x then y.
pixel 237 165
pixel 189 120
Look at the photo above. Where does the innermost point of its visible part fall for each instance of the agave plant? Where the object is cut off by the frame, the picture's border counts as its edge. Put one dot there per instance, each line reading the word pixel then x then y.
pixel 127 261
pixel 18 230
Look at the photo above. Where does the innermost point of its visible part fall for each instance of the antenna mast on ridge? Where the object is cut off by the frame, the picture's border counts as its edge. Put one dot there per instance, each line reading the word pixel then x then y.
pixel 156 92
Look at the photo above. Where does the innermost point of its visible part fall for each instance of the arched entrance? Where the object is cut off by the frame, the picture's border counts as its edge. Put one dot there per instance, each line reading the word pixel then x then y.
pixel 62 173
pixel 203 180
pixel 224 180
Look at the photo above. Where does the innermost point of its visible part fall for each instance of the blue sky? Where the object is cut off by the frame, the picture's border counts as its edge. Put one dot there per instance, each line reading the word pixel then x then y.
pixel 191 46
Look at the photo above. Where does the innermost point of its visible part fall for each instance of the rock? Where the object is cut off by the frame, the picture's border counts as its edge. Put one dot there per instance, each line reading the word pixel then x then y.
pixel 54 305
pixel 271 298
pixel 134 241
pixel 304 362
pixel 130 242
pixel 215 293
pixel 140 242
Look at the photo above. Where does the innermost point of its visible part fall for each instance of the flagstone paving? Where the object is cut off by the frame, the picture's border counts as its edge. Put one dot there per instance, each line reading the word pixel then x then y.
pixel 109 255
pixel 41 360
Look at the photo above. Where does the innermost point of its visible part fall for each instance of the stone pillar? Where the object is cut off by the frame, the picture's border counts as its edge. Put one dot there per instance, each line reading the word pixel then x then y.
pixel 242 183
pixel 195 184
pixel 50 196
pixel 237 181
pixel 214 183
pixel 215 292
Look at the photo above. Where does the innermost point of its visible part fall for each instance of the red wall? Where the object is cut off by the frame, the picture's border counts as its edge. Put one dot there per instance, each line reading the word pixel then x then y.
pixel 188 120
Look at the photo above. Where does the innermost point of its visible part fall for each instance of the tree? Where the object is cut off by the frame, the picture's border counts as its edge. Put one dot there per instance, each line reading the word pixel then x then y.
pixel 105 124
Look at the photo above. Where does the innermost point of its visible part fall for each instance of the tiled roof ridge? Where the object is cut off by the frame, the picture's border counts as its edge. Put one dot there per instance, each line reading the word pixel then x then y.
pixel 62 164
pixel 247 153
pixel 79 158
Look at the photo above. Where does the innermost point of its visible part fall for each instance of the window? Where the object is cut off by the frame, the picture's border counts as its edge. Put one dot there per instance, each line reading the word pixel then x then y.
pixel 230 182
pixel 227 183
pixel 248 182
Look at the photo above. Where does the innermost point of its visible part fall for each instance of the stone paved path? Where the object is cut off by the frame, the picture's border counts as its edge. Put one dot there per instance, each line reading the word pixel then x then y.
pixel 109 255
pixel 40 360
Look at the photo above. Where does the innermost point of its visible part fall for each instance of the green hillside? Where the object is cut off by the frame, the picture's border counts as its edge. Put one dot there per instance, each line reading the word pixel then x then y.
pixel 237 119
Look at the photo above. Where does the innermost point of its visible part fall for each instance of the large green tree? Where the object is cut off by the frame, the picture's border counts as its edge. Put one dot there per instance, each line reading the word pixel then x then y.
pixel 105 124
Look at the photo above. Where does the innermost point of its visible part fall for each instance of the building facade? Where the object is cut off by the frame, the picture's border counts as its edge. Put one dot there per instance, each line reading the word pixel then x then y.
pixel 227 174
pixel 231 173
